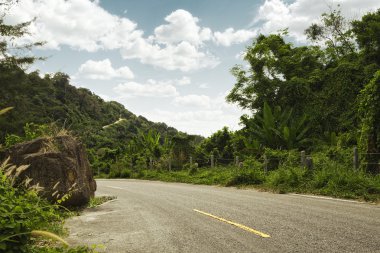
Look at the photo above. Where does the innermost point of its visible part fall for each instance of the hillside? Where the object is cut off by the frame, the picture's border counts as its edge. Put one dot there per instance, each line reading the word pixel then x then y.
pixel 104 127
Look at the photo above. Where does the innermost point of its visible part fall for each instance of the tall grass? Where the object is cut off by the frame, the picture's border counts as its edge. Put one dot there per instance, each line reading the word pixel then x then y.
pixel 329 177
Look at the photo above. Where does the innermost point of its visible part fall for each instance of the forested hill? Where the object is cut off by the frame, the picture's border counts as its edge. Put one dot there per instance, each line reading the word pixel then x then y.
pixel 52 99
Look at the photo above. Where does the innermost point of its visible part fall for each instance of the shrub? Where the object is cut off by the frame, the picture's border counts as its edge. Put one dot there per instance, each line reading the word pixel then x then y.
pixel 252 163
pixel 33 131
pixel 24 214
pixel 287 178
pixel 281 157
pixel 125 173
pixel 22 211
pixel 192 168
pixel 12 139
pixel 245 178
pixel 337 180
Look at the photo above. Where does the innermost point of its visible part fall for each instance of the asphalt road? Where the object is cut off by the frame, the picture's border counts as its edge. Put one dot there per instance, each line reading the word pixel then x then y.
pixel 150 216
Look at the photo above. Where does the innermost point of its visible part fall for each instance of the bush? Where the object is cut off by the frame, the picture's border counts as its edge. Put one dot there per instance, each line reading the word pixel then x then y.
pixel 114 174
pixel 287 178
pixel 192 168
pixel 31 132
pixel 125 173
pixel 252 163
pixel 255 176
pixel 281 157
pixel 337 180
pixel 22 211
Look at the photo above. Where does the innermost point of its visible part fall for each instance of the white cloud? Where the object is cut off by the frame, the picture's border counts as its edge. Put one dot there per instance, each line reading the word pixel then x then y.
pixel 178 44
pixel 193 100
pixel 183 56
pixel 183 81
pixel 206 115
pixel 103 70
pixel 151 88
pixel 182 26
pixel 85 25
pixel 203 86
pixel 203 122
pixel 275 15
pixel 105 97
pixel 230 36
pixel 79 24
pixel 240 55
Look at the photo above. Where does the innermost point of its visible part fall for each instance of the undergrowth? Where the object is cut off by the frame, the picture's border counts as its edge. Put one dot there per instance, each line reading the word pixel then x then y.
pixel 24 215
pixel 331 176
pixel 96 201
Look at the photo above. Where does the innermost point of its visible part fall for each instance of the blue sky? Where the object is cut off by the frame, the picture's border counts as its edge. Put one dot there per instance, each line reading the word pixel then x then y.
pixel 166 60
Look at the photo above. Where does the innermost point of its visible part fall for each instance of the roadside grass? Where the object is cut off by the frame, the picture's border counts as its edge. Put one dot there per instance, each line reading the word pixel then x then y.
pixel 29 223
pixel 332 179
pixel 97 201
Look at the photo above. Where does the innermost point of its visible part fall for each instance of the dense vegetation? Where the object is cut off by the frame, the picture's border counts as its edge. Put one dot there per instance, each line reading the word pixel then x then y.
pixel 322 97
pixel 53 100
pixel 24 216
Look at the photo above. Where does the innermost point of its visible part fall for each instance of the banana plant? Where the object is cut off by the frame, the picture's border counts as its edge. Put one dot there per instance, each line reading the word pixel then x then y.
pixel 276 128
pixel 149 143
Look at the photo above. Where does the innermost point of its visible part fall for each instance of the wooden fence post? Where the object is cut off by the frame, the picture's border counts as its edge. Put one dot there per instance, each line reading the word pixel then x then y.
pixel 237 161
pixel 356 158
pixel 191 160
pixel 170 164
pixel 265 164
pixel 150 163
pixel 303 158
pixel 212 161
pixel 309 163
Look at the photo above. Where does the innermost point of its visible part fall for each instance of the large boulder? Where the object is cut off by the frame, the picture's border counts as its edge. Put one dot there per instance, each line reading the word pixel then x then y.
pixel 59 165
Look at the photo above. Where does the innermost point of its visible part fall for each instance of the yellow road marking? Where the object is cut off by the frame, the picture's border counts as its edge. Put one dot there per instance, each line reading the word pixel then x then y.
pixel 235 224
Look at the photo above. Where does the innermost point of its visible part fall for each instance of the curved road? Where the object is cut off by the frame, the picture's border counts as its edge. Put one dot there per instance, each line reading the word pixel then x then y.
pixel 150 216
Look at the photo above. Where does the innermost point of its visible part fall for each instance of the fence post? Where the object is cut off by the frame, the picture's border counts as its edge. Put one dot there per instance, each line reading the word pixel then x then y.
pixel 303 158
pixel 150 163
pixel 191 160
pixel 309 163
pixel 212 161
pixel 265 164
pixel 170 164
pixel 356 158
pixel 237 161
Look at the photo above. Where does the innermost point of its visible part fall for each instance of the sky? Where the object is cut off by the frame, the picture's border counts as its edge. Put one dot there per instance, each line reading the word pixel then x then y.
pixel 166 60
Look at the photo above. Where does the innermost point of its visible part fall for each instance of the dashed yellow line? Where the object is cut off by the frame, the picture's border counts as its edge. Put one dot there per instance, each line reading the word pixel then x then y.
pixel 234 224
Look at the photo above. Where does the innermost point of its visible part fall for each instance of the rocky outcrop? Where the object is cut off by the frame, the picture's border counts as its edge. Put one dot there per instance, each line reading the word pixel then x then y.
pixel 59 165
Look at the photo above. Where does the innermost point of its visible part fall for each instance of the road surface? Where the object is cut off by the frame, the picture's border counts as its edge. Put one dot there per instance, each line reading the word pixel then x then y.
pixel 150 216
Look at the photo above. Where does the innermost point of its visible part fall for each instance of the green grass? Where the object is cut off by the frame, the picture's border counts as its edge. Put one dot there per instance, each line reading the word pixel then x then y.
pixel 23 213
pixel 330 180
pixel 96 201
pixel 216 176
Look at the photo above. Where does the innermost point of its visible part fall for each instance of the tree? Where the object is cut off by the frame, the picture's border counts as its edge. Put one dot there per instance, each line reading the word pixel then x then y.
pixel 335 31
pixel 370 122
pixel 219 143
pixel 367 33
pixel 279 74
pixel 9 48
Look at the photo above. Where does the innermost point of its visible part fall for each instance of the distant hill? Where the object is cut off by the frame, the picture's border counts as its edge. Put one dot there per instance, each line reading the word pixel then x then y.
pixel 53 99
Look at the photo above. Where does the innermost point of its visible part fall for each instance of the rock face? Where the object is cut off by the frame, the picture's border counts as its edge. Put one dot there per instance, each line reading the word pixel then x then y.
pixel 60 159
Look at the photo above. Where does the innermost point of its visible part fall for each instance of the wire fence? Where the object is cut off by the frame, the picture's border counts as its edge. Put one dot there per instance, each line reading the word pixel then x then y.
pixel 366 161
